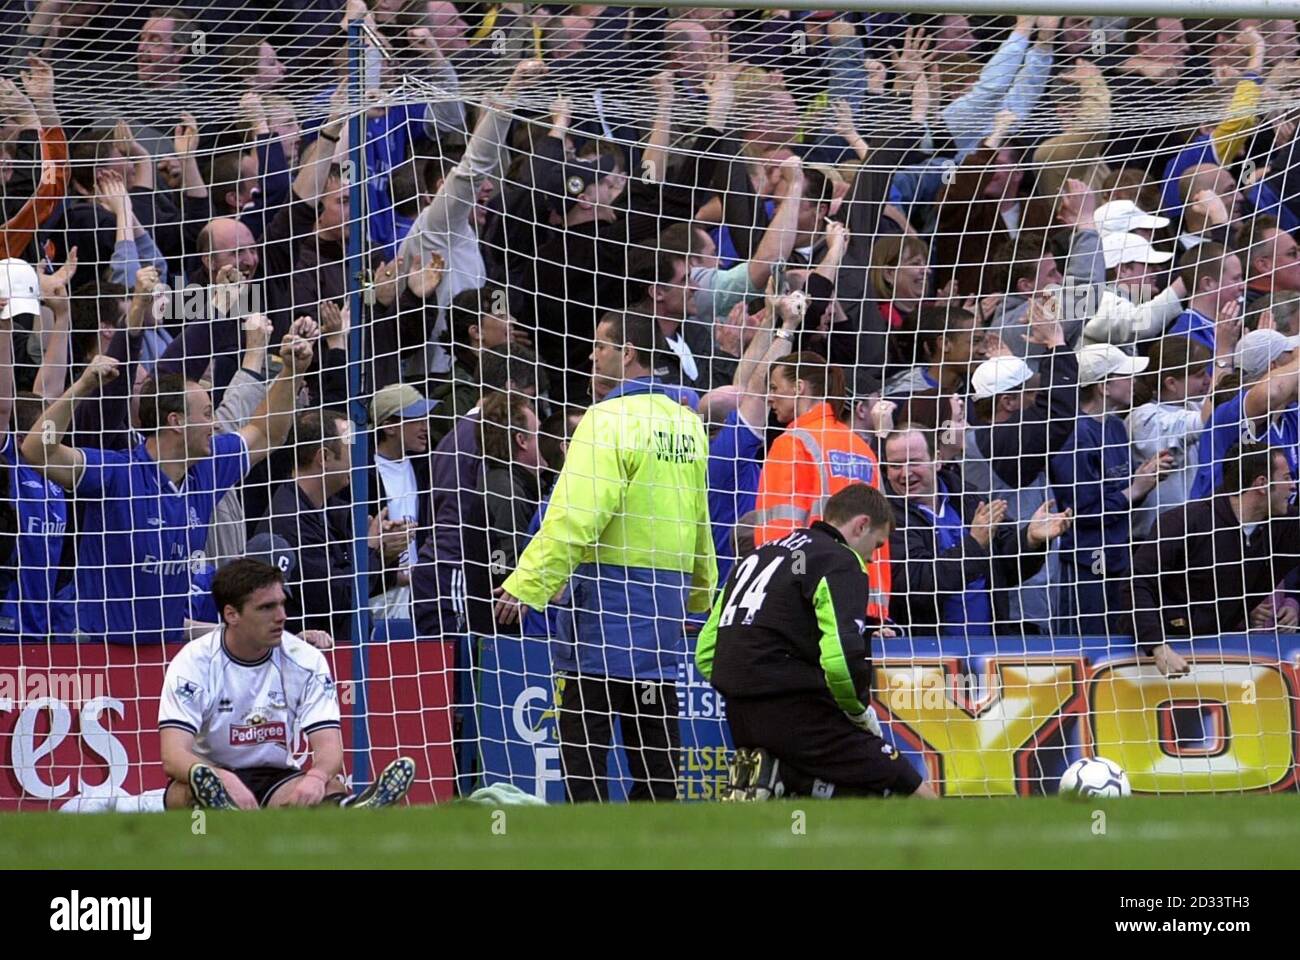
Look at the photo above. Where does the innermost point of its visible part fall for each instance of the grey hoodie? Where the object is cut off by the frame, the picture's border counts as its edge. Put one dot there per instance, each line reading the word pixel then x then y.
pixel 445 227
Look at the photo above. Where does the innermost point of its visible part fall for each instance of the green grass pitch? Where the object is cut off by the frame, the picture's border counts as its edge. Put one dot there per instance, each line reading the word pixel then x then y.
pixel 1174 832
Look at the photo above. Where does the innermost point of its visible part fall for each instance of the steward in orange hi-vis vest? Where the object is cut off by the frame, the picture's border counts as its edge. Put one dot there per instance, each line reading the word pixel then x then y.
pixel 814 459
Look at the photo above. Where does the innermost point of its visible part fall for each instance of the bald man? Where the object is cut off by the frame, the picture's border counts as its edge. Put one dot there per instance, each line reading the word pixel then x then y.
pixel 208 329
pixel 223 242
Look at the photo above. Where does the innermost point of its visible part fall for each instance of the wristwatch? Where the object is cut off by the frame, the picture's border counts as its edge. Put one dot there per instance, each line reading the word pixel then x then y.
pixel 784 334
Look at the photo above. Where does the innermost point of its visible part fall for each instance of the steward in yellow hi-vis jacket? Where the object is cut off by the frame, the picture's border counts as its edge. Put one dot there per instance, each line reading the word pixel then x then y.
pixel 627 527
pixel 629 522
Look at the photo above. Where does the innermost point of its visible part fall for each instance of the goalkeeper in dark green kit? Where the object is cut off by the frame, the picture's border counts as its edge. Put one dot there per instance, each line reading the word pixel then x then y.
pixel 787 645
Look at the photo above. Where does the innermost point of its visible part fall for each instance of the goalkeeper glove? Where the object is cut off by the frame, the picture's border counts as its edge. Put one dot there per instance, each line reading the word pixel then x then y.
pixel 867 720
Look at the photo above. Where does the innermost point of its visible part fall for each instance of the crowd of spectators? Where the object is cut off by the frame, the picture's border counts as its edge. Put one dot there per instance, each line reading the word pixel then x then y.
pixel 938 255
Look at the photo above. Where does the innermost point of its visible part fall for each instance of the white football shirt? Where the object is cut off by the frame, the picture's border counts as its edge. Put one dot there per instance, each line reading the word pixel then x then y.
pixel 248 713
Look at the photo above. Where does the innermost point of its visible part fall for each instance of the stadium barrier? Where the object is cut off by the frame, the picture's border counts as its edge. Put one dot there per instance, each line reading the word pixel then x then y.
pixel 56 748
pixel 985 717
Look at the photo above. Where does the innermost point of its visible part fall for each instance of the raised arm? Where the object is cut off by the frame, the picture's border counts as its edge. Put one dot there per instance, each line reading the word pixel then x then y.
pixel 449 113
pixel 142 172
pixel 1091 111
pixel 654 161
pixel 1230 137
pixel 38 81
pixel 52 377
pixel 483 159
pixel 1274 393
pixel 967 117
pixel 111 194
pixel 1031 79
pixel 185 141
pixel 847 128
pixel 330 143
pixel 778 239
pixel 270 422
pixel 764 350
pixel 44 448
pixel 248 388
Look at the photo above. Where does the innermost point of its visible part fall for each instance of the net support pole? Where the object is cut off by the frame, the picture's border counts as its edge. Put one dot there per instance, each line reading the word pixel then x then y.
pixel 360 485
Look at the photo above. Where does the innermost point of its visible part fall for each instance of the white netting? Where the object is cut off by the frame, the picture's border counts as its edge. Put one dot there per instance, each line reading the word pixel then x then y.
pixel 928 252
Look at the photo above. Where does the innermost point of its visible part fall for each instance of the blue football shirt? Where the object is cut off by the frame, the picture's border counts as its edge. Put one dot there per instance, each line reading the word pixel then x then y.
pixel 1229 427
pixel 30 609
pixel 1197 326
pixel 143 536
pixel 735 464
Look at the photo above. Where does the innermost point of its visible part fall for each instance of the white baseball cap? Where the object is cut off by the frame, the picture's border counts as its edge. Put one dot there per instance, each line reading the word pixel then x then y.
pixel 20 286
pixel 999 375
pixel 1120 248
pixel 1101 361
pixel 1125 216
pixel 1257 350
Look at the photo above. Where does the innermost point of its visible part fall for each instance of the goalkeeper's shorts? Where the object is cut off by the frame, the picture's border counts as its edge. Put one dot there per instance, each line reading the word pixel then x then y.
pixel 821 752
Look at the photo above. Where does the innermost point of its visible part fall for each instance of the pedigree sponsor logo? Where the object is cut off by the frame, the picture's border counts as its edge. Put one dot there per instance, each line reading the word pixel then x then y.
pixel 257 734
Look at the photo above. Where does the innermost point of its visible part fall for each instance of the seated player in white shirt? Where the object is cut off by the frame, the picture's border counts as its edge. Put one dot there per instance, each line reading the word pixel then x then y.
pixel 236 703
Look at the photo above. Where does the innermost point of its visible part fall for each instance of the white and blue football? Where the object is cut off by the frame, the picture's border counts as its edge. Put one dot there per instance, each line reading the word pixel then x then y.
pixel 1094 777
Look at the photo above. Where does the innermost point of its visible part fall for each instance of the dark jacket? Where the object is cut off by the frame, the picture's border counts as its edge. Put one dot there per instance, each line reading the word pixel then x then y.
pixel 83 224
pixel 321 582
pixel 579 274
pixel 296 274
pixel 456 395
pixel 511 497
pixel 451 589
pixel 105 420
pixel 1090 475
pixel 924 574
pixel 1019 447
pixel 1201 575
pixel 789 620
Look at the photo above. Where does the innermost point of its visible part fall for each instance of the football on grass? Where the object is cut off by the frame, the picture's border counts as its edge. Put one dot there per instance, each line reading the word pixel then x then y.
pixel 1094 777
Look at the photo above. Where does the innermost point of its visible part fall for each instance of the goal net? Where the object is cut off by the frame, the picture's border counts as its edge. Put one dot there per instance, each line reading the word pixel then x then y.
pixel 505 331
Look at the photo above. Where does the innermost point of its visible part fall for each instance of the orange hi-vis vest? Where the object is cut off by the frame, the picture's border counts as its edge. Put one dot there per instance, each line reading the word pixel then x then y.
pixel 813 460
